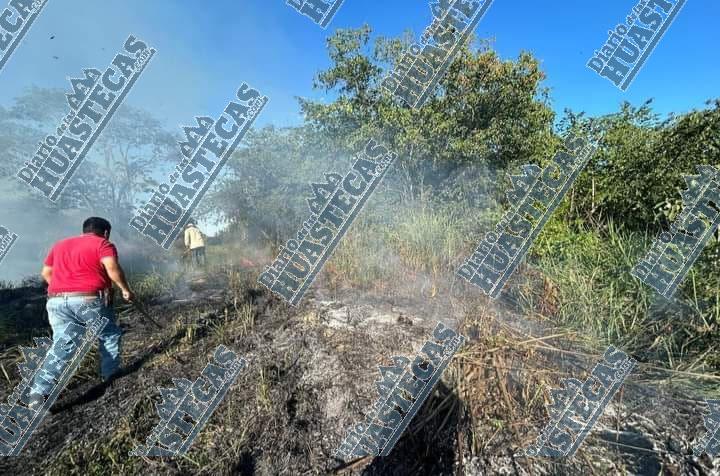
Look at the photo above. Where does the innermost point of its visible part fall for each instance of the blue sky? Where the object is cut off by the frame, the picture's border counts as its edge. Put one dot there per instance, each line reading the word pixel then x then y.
pixel 206 49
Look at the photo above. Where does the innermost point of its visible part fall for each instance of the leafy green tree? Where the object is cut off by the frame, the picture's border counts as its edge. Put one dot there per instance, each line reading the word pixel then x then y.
pixel 635 178
pixel 265 185
pixel 118 168
pixel 486 112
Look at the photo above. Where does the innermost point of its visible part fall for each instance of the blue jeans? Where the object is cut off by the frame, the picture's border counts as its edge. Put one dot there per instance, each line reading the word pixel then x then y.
pixel 64 312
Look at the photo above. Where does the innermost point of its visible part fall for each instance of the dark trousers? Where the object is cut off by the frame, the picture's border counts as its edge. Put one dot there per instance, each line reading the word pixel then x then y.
pixel 198 256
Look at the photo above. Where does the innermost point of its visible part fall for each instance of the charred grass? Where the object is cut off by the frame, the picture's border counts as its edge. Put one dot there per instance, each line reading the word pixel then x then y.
pixel 309 379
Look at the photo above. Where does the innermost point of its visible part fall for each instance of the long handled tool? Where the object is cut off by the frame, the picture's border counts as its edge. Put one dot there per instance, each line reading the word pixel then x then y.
pixel 141 309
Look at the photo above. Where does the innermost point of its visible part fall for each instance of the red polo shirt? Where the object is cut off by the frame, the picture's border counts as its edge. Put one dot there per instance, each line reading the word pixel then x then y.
pixel 76 265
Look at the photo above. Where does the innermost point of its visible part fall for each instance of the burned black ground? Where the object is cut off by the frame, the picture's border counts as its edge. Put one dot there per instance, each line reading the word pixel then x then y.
pixel 310 377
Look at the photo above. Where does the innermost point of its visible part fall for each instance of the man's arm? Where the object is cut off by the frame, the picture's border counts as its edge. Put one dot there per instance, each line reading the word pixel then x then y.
pixel 117 275
pixel 47 273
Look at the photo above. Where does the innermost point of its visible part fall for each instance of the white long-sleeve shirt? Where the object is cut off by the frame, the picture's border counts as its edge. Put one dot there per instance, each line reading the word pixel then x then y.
pixel 193 238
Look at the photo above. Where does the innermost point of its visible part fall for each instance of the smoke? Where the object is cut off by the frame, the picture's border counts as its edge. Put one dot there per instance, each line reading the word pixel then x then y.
pixel 37 226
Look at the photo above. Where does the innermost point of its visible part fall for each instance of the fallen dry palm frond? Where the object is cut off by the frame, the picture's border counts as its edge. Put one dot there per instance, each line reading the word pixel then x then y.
pixel 644 373
pixel 499 388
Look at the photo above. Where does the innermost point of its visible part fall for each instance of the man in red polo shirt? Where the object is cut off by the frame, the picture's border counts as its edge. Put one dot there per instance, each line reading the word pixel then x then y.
pixel 80 272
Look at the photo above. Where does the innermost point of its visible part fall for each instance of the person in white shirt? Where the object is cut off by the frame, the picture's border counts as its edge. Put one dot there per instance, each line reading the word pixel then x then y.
pixel 195 242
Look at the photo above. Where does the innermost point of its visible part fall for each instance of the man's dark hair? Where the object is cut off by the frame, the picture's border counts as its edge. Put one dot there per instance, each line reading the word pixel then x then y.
pixel 97 226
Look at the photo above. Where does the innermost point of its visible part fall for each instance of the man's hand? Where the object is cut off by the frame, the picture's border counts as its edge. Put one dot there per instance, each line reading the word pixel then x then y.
pixel 117 275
